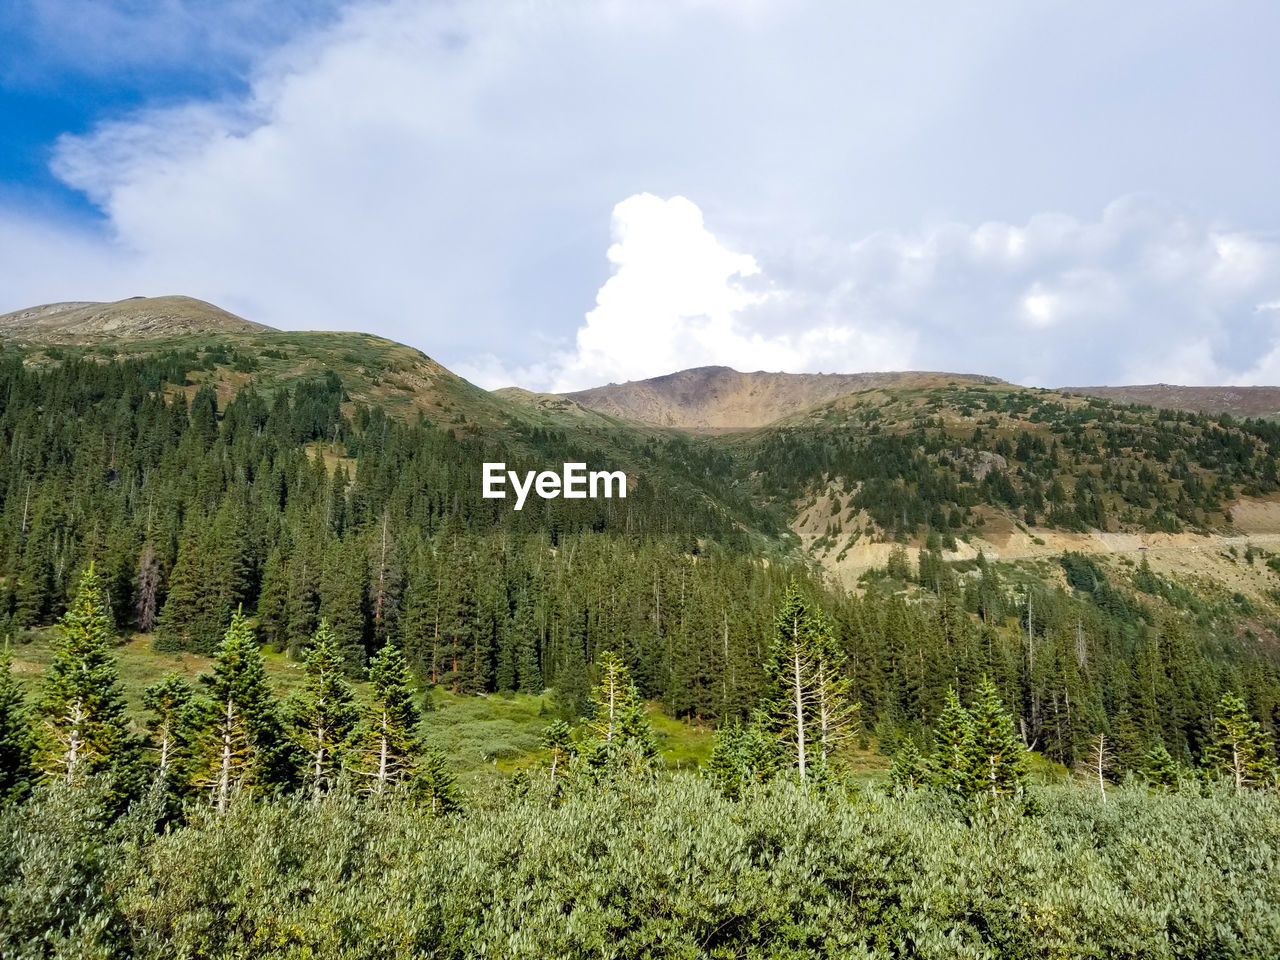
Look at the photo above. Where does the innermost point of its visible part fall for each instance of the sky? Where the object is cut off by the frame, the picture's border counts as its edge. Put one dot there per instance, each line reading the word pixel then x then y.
pixel 562 193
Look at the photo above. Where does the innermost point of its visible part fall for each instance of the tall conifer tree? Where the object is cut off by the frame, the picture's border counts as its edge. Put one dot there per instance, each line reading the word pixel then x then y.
pixel 323 713
pixel 84 706
pixel 387 755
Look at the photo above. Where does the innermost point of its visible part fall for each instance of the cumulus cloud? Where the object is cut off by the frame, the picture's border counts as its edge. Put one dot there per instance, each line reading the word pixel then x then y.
pixel 677 298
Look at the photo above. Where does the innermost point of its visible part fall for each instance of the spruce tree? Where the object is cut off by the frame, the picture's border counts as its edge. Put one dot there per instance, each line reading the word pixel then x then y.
pixel 951 766
pixel 1238 750
pixel 622 736
pixel 558 740
pixel 17 739
pixel 999 759
pixel 273 599
pixel 387 754
pixel 793 668
pixel 525 631
pixel 84 704
pixel 433 783
pixel 188 620
pixel 723 768
pixel 342 598
pixel 173 717
pixel 243 747
pixel 908 772
pixel 1161 769
pixel 323 713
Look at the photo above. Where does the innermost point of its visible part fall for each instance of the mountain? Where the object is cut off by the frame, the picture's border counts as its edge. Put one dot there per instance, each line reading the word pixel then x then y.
pixel 1237 401
pixel 836 468
pixel 720 398
pixel 137 318
pixel 952 527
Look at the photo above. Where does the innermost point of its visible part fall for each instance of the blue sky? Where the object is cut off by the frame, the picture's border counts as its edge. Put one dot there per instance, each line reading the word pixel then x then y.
pixel 561 193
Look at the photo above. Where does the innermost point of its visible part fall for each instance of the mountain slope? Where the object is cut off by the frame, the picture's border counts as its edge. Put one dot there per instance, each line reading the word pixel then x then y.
pixel 1237 401
pixel 720 398
pixel 135 318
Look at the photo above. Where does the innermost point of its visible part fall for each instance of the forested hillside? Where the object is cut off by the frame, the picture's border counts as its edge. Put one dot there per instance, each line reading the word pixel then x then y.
pixel 925 461
pixel 207 480
pixel 302 515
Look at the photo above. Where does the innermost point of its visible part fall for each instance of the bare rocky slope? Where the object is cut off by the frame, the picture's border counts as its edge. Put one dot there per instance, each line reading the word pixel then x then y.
pixel 137 318
pixel 721 398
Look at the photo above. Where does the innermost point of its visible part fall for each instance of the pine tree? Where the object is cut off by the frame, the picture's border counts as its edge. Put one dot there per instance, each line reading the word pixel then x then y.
pixel 622 736
pixel 610 697
pixel 1239 747
pixel 188 620
pixel 794 668
pixel 837 714
pixel 387 754
pixel 342 595
pixel 84 703
pixel 433 783
pixel 17 739
pixel 951 766
pixel 723 768
pixel 273 600
pixel 244 749
pixel 525 631
pixel 999 759
pixel 171 703
pixel 323 713
pixel 1161 769
pixel 908 772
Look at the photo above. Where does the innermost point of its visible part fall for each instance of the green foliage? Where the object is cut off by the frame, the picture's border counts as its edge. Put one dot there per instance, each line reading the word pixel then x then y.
pixel 952 764
pixel 999 760
pixel 242 744
pixel 83 704
pixel 908 772
pixel 1239 750
pixel 173 720
pixel 17 738
pixel 620 736
pixel 808 691
pixel 386 754
pixel 434 785
pixel 779 873
pixel 323 713
pixel 743 755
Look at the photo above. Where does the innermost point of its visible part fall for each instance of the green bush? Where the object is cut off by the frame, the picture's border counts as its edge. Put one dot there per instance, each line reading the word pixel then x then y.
pixel 663 868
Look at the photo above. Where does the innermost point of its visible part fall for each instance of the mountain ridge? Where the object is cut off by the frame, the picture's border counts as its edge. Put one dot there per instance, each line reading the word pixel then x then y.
pixel 135 318
pixel 715 398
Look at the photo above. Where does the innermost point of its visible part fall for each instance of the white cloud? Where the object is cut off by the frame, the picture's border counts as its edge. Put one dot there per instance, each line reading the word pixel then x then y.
pixel 1141 293
pixel 678 298
pixel 444 174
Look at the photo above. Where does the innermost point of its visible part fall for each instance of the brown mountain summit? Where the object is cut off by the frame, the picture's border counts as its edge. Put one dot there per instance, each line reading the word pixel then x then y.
pixel 138 318
pixel 720 398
